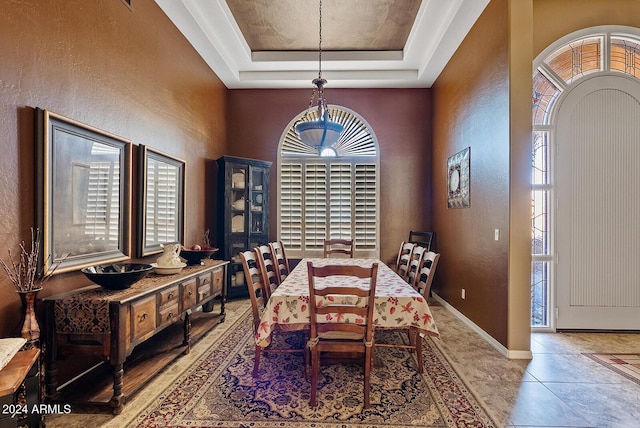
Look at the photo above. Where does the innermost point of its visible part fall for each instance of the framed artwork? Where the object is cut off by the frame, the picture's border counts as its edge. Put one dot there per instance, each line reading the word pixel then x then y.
pixel 83 193
pixel 161 204
pixel 458 179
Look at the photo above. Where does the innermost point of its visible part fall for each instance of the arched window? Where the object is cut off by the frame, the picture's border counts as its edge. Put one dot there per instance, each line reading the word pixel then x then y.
pixel 330 196
pixel 601 51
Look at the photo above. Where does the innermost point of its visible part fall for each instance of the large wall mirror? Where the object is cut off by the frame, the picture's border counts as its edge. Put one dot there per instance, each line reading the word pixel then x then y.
pixel 161 203
pixel 83 193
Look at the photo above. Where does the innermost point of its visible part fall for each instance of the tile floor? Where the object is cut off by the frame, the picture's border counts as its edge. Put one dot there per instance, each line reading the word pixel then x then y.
pixel 559 387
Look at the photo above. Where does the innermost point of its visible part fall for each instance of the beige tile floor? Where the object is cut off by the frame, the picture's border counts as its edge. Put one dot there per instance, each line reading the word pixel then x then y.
pixel 559 387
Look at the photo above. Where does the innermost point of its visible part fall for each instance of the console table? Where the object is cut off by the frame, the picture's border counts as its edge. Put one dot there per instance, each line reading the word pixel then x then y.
pixel 110 324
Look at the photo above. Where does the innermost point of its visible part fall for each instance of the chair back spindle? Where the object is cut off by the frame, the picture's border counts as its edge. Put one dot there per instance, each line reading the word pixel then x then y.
pixel 280 259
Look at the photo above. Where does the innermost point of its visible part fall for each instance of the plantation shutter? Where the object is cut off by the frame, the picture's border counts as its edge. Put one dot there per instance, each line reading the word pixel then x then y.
pixel 315 200
pixel 162 183
pixel 101 205
pixel 340 201
pixel 291 205
pixel 365 206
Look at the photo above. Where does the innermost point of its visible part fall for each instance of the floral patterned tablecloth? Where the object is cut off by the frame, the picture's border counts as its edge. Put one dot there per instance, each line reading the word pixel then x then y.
pixel 397 304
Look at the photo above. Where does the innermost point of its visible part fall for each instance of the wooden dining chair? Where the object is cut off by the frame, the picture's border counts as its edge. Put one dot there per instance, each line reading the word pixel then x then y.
pixel 350 309
pixel 413 266
pixel 268 269
pixel 280 259
pixel 422 284
pixel 424 239
pixel 338 247
pixel 426 272
pixel 257 295
pixel 402 261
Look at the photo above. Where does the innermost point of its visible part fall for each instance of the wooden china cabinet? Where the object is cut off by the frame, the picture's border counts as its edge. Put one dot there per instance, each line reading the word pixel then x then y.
pixel 244 210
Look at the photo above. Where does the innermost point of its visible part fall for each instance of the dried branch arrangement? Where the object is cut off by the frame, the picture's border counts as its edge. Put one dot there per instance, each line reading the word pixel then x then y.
pixel 24 272
pixel 205 236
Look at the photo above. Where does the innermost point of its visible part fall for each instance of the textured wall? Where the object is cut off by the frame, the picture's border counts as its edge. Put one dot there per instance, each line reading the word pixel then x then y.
pixel 126 71
pixel 471 109
pixel 401 121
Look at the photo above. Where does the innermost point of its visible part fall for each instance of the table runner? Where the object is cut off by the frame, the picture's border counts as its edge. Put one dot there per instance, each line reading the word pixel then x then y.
pixel 87 310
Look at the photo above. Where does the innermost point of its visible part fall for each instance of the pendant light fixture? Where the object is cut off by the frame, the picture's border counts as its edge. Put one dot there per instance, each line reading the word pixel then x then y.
pixel 320 132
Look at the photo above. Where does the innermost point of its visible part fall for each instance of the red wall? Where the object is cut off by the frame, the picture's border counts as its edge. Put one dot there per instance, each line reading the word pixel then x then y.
pixel 400 119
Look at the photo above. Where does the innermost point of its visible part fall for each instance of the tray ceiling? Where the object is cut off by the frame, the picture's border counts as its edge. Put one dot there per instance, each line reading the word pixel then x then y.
pixel 365 43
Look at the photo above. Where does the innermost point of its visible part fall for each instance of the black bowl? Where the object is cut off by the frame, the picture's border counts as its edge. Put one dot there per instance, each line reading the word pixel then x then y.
pixel 117 276
pixel 194 257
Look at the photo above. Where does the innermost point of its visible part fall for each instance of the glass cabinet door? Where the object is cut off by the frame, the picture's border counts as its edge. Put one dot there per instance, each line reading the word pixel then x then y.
pixel 257 190
pixel 239 200
pixel 236 272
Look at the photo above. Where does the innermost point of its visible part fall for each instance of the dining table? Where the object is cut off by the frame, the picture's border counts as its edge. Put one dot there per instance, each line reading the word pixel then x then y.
pixel 397 304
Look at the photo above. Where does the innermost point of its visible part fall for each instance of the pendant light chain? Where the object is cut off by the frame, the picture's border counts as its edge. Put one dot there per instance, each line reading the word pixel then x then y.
pixel 320 132
pixel 320 43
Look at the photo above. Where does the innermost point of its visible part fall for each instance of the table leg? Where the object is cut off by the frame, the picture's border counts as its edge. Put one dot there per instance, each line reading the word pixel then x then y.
pixel 50 356
pixel 117 401
pixel 187 332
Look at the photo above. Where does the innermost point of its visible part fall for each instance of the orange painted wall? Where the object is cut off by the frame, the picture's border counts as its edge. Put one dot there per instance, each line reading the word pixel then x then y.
pixel 126 71
pixel 400 118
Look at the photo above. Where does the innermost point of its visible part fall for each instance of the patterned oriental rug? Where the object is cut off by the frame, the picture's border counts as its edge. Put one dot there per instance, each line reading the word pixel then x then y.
pixel 628 365
pixel 219 391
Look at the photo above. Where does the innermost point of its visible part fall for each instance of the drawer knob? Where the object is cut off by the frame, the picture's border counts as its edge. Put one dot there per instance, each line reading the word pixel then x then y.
pixel 170 316
pixel 143 316
pixel 190 293
pixel 170 296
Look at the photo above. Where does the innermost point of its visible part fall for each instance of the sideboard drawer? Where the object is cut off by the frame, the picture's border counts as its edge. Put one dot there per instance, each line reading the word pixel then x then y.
pixel 168 315
pixel 189 295
pixel 204 286
pixel 170 295
pixel 143 317
pixel 204 292
pixel 218 281
pixel 204 279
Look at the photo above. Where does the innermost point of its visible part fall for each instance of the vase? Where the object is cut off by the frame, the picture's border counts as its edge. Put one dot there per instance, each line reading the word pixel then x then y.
pixel 30 328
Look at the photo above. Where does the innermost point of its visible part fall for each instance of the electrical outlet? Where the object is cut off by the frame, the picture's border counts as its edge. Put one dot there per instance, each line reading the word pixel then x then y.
pixel 463 293
pixel 496 234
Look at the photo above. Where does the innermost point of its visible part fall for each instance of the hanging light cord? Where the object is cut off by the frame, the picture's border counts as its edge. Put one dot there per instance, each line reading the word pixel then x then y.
pixel 320 44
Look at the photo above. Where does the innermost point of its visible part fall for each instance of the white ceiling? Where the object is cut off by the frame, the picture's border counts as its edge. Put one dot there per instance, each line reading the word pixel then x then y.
pixel 432 37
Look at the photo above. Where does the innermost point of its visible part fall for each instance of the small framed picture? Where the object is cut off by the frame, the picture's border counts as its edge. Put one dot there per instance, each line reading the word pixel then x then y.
pixel 458 179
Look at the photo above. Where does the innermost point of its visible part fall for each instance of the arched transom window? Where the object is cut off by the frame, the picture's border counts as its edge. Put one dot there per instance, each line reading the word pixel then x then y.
pixel 331 196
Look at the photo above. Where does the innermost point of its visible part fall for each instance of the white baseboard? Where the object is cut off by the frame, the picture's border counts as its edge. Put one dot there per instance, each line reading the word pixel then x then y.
pixel 511 354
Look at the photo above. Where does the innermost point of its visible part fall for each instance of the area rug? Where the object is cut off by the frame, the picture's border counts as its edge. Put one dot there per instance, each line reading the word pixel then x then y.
pixel 628 365
pixel 219 391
